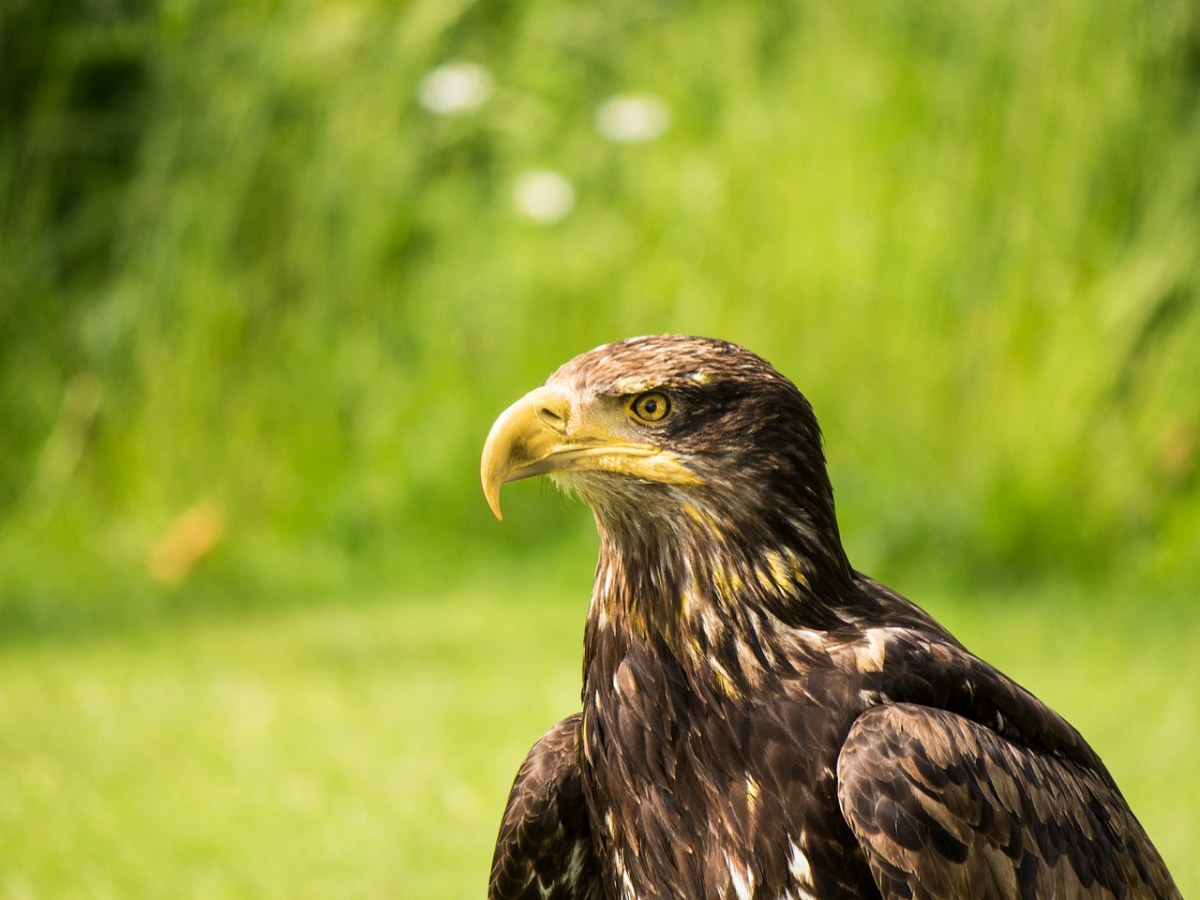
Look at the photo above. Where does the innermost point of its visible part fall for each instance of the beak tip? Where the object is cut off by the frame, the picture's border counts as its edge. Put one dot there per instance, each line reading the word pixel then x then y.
pixel 518 440
pixel 491 490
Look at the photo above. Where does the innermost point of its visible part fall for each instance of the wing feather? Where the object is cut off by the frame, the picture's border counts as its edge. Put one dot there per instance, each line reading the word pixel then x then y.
pixel 946 807
pixel 544 849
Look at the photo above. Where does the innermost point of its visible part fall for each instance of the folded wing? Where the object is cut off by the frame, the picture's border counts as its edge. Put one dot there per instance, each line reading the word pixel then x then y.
pixel 946 807
pixel 544 850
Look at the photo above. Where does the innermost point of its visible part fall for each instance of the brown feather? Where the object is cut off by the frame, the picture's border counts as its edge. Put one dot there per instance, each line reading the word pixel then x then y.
pixel 544 849
pixel 759 720
pixel 1015 821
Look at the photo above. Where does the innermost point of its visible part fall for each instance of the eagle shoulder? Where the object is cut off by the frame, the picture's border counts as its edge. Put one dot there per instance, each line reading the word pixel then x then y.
pixel 544 849
pixel 964 784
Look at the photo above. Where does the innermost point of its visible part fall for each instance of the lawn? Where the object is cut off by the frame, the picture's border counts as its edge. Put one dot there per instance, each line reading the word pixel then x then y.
pixel 363 746
pixel 264 285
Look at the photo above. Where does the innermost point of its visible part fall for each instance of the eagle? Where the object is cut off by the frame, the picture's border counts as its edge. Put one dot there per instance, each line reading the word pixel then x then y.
pixel 759 719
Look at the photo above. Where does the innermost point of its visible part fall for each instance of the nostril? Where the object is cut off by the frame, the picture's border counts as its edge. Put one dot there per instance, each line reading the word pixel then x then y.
pixel 553 418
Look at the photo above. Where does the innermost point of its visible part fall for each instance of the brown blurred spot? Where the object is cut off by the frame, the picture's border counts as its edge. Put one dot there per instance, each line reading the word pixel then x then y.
pixel 1178 458
pixel 191 537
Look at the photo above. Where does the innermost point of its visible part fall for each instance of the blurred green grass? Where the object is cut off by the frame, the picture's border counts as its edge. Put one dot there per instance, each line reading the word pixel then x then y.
pixel 259 305
pixel 365 748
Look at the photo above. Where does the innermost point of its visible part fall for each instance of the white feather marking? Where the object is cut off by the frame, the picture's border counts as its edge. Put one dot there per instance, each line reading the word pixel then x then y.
pixel 627 891
pixel 748 662
pixel 691 603
pixel 709 625
pixel 627 887
pixel 575 863
pixel 869 698
pixel 870 658
pixel 798 866
pixel 722 673
pixel 742 879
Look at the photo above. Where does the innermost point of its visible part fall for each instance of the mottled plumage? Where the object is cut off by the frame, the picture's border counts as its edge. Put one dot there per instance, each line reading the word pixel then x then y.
pixel 760 720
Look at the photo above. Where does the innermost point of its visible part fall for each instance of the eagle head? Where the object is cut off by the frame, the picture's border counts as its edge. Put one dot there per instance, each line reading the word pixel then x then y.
pixel 675 439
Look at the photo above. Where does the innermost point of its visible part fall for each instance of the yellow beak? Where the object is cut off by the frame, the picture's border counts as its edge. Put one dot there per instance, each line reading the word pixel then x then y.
pixel 541 433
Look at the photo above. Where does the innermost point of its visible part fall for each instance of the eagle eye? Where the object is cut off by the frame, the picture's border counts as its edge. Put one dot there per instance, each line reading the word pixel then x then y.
pixel 650 407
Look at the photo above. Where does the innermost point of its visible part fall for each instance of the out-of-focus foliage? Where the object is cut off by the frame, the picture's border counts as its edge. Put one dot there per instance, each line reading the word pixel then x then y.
pixel 261 291
pixel 268 271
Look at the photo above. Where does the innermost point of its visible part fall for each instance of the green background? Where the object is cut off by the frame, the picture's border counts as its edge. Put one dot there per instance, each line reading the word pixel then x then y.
pixel 259 635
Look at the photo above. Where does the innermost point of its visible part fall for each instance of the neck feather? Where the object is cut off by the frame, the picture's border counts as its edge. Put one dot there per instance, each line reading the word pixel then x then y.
pixel 714 594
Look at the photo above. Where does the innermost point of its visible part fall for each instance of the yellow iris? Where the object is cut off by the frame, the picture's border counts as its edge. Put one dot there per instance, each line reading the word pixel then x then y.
pixel 650 407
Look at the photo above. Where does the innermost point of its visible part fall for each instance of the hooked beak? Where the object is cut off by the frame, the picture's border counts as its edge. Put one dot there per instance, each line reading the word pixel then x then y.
pixel 538 434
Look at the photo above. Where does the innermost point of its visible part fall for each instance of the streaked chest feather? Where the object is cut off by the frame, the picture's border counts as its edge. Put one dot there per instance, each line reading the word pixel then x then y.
pixel 660 749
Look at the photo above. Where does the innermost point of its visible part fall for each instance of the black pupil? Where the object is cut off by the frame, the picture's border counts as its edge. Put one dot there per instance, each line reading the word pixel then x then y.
pixel 650 407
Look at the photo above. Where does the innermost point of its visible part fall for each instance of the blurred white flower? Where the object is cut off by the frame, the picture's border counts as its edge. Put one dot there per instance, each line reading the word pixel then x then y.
pixel 454 89
pixel 632 118
pixel 543 196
